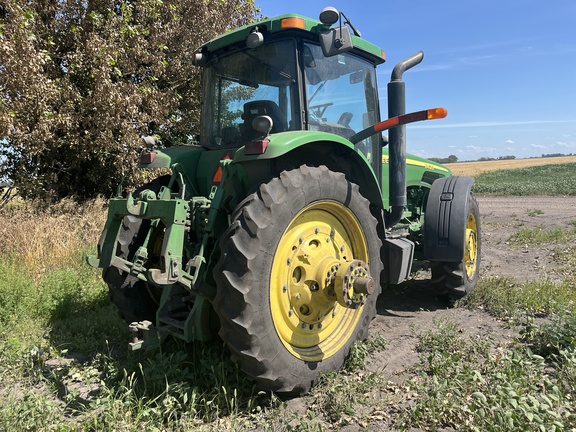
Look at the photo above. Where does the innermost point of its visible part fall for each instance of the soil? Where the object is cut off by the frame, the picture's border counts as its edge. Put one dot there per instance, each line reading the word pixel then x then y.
pixel 412 308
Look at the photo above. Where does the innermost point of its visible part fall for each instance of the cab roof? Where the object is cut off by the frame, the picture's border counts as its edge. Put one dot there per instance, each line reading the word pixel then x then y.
pixel 289 22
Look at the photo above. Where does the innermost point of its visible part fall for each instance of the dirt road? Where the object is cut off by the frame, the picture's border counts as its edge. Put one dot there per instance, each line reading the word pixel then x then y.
pixel 413 307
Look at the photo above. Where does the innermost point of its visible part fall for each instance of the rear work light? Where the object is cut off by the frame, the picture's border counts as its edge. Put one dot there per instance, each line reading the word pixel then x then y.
pixel 256 147
pixel 147 158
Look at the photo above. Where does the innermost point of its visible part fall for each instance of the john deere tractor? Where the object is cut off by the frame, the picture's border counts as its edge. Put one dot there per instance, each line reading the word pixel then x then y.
pixel 279 229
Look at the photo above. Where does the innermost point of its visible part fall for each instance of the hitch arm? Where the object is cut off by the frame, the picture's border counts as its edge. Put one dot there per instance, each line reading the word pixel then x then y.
pixel 429 114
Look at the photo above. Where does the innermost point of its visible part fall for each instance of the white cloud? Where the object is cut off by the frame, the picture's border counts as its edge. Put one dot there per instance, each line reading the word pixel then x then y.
pixel 421 153
pixel 474 148
pixel 538 146
pixel 477 149
pixel 509 142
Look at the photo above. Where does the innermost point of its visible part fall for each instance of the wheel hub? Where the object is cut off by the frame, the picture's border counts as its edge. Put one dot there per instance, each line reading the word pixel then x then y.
pixel 353 283
pixel 320 278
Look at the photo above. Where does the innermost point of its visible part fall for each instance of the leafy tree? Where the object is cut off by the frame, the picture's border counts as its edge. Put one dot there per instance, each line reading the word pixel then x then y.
pixel 82 80
pixel 449 159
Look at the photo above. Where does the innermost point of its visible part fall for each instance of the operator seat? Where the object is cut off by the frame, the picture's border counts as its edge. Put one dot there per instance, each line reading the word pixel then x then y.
pixel 257 108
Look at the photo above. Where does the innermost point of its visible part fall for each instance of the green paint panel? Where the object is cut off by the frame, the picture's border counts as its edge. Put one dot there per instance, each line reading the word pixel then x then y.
pixel 284 142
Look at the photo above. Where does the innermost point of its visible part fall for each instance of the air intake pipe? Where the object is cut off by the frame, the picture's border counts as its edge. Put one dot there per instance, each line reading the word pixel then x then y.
pixel 397 140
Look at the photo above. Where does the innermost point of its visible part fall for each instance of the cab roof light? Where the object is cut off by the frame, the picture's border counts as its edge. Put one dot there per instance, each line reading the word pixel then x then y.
pixel 147 158
pixel 292 22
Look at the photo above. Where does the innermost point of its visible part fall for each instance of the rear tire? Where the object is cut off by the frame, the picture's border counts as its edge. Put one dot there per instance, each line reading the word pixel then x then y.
pixel 457 279
pixel 133 297
pixel 278 315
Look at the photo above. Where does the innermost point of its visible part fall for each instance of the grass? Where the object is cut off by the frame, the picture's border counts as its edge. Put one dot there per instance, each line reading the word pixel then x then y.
pixel 542 235
pixel 555 179
pixel 535 212
pixel 511 300
pixel 64 364
pixel 63 357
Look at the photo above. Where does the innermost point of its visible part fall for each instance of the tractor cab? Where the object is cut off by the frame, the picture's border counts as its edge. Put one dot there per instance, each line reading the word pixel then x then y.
pixel 297 73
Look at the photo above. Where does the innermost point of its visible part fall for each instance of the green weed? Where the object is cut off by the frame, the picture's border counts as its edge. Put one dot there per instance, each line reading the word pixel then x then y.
pixel 485 387
pixel 362 349
pixel 552 337
pixel 507 298
pixel 534 213
pixel 565 256
pixel 541 235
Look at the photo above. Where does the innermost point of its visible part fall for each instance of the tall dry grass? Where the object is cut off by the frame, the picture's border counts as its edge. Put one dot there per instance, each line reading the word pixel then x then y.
pixel 40 238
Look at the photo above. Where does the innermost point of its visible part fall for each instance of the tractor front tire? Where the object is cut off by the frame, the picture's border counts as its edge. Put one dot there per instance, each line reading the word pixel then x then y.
pixel 457 279
pixel 278 310
pixel 131 296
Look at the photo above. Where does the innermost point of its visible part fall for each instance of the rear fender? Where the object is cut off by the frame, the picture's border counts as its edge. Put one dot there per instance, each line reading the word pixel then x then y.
pixel 445 218
pixel 291 149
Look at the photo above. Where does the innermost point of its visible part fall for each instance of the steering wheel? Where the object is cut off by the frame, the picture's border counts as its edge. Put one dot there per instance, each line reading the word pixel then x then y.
pixel 320 109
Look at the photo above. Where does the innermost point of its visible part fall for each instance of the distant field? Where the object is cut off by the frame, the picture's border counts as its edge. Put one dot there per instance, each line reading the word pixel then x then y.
pixel 475 168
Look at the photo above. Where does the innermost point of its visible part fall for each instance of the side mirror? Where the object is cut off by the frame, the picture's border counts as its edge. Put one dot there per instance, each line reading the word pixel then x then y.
pixel 336 41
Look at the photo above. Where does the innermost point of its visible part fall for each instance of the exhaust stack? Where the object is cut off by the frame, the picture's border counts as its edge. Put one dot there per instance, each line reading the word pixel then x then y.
pixel 397 139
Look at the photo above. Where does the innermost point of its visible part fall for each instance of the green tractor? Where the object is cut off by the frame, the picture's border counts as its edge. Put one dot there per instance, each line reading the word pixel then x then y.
pixel 279 230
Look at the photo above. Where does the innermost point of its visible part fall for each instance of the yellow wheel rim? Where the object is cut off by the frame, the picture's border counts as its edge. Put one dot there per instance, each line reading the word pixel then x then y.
pixel 310 322
pixel 471 254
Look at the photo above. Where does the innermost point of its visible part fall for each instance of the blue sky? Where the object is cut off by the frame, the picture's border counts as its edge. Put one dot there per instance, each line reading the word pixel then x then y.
pixel 504 69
